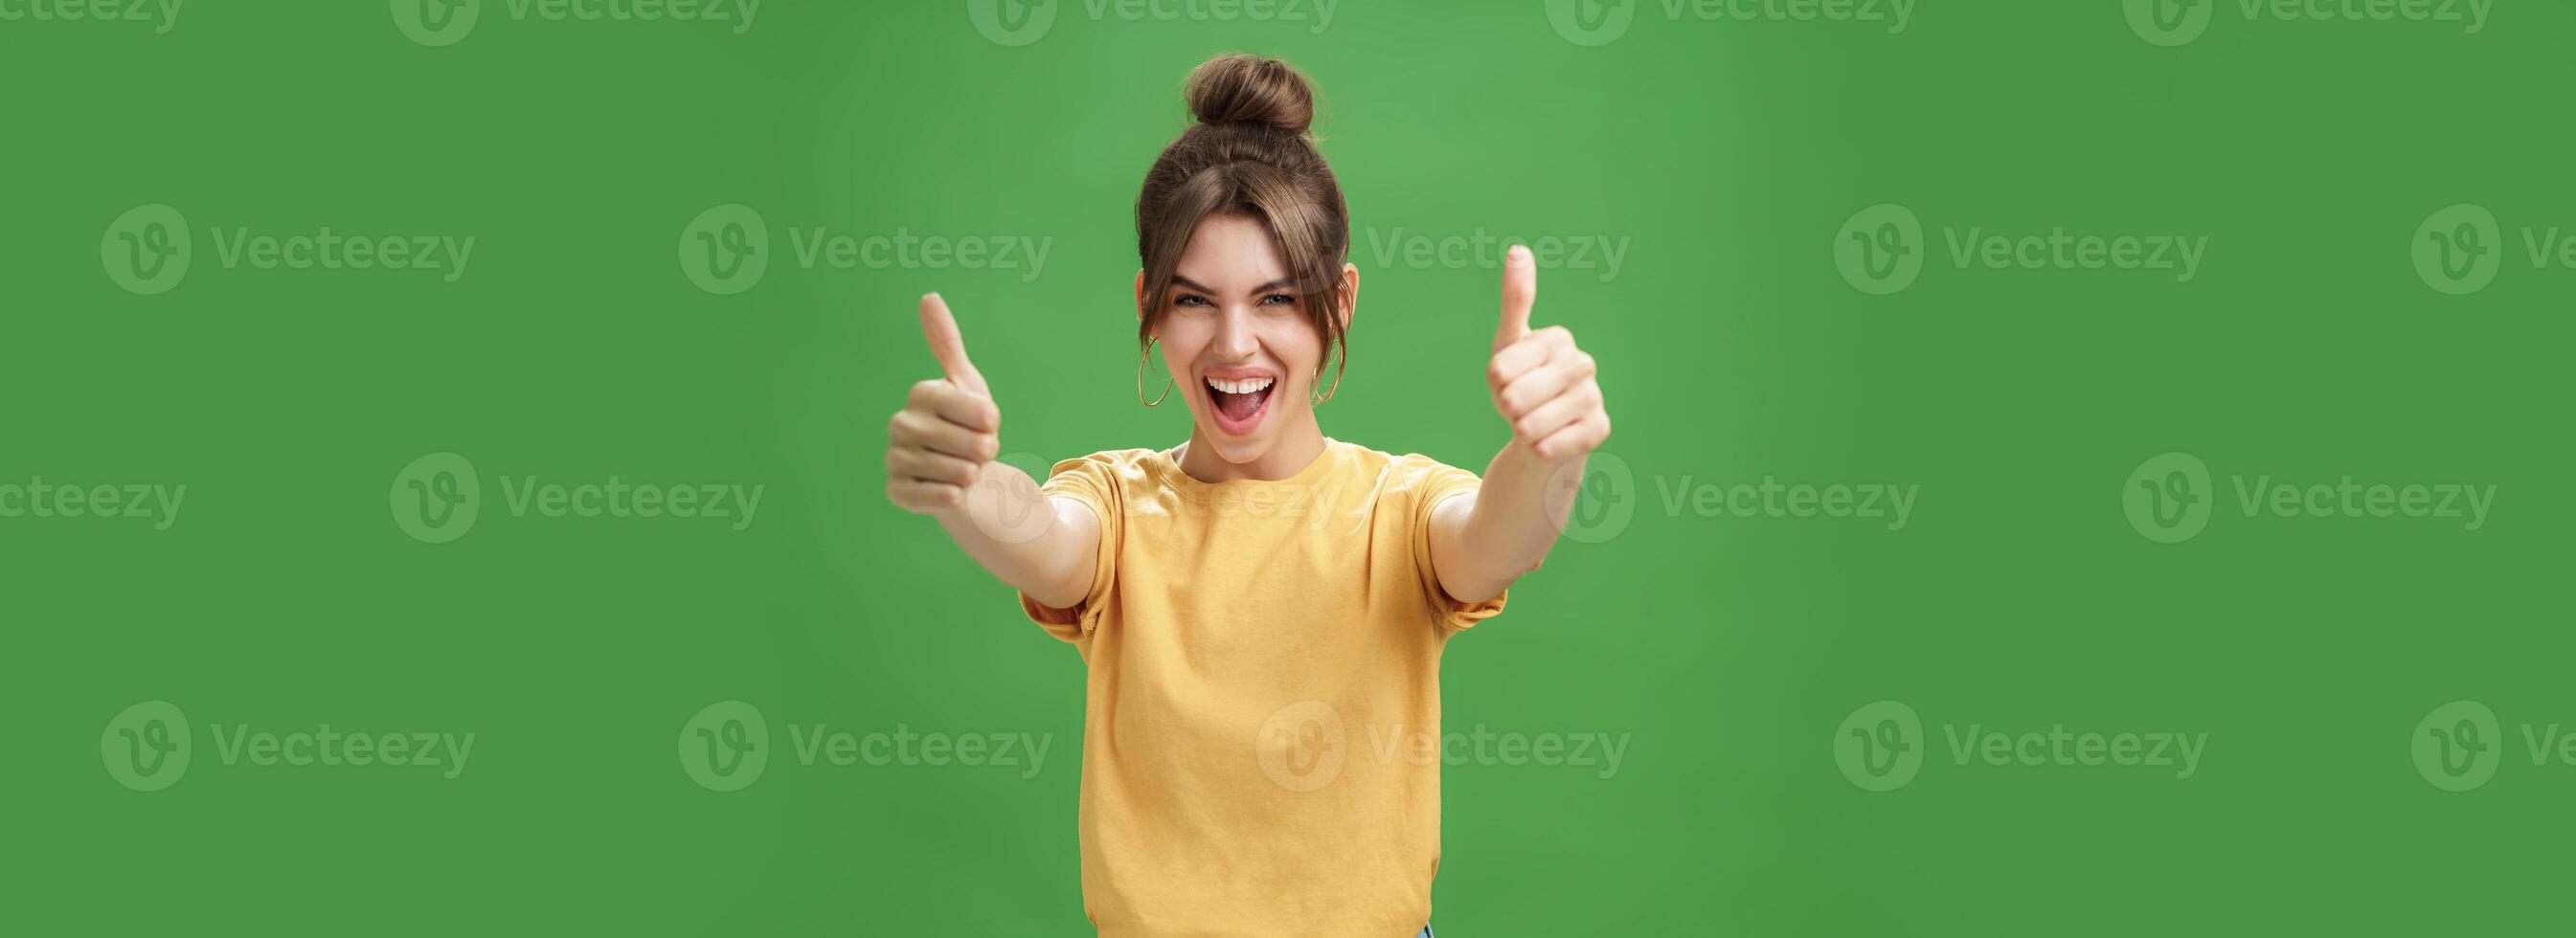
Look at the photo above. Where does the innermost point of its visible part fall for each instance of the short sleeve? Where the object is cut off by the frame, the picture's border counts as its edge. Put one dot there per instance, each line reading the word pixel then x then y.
pixel 1434 483
pixel 1093 482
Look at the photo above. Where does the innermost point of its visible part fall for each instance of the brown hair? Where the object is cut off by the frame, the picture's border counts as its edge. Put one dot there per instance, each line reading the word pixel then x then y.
pixel 1248 154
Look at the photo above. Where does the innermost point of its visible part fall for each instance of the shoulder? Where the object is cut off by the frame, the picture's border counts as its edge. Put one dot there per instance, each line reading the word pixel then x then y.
pixel 1106 462
pixel 1104 478
pixel 1407 473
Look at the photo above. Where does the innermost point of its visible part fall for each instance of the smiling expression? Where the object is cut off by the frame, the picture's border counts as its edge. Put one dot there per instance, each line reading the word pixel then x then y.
pixel 1237 339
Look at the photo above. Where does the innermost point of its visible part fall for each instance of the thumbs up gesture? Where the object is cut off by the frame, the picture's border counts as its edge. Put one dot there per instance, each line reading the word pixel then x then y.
pixel 1543 385
pixel 947 430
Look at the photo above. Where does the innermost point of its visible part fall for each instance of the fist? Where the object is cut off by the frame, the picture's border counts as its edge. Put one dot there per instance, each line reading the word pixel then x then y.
pixel 948 428
pixel 1542 382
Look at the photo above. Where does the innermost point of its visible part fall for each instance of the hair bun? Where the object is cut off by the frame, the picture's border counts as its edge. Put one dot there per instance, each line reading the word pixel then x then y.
pixel 1247 89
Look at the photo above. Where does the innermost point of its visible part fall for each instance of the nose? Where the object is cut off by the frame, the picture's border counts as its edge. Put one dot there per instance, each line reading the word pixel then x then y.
pixel 1236 338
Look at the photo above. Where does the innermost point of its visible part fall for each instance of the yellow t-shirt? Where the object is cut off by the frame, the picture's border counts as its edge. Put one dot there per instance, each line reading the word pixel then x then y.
pixel 1261 734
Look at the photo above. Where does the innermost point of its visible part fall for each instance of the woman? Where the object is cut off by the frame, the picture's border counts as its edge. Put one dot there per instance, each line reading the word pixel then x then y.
pixel 1262 608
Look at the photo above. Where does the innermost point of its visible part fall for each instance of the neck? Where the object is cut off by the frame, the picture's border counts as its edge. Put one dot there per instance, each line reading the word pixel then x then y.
pixel 1300 442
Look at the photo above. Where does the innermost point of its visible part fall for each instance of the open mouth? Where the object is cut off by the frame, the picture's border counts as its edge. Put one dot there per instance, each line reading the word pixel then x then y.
pixel 1239 399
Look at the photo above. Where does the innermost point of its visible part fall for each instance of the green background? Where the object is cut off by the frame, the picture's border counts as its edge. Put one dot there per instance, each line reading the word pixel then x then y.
pixel 1727 649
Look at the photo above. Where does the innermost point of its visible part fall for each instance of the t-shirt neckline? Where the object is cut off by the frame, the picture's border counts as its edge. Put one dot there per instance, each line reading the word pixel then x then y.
pixel 1176 477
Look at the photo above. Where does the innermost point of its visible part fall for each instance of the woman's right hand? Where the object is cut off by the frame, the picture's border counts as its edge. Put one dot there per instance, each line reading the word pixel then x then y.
pixel 948 429
pixel 940 461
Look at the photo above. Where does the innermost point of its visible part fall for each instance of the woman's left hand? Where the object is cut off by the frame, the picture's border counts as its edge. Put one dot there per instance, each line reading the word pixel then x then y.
pixel 1542 383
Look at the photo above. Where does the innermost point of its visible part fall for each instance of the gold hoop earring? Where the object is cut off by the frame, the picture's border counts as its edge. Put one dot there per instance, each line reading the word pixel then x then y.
pixel 1337 381
pixel 1140 378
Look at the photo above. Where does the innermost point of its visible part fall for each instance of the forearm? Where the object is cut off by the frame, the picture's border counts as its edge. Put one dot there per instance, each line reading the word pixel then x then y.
pixel 1045 547
pixel 1508 527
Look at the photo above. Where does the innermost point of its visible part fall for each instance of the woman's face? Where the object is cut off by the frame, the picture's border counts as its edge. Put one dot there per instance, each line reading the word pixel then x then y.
pixel 1237 340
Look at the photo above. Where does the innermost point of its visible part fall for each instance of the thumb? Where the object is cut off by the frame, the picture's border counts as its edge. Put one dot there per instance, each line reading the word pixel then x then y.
pixel 939 329
pixel 1520 291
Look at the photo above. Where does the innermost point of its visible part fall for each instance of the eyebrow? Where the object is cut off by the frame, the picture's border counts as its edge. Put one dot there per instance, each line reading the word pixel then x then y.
pixel 1264 288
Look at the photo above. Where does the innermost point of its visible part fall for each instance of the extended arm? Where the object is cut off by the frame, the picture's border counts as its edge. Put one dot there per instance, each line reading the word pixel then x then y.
pixel 940 451
pixel 1545 387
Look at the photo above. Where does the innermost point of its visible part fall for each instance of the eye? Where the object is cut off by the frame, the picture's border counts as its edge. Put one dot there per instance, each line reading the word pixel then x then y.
pixel 1189 299
pixel 1279 299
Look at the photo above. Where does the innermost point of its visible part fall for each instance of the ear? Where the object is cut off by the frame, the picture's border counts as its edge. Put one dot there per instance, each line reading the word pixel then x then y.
pixel 1140 294
pixel 1350 294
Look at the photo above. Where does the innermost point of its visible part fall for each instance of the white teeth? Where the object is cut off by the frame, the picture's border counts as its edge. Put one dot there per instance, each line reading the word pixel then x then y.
pixel 1246 386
